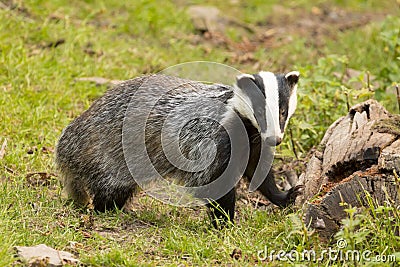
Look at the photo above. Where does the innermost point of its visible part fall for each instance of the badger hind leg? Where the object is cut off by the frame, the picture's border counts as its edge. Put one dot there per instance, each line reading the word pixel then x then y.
pixel 102 196
pixel 111 197
pixel 75 189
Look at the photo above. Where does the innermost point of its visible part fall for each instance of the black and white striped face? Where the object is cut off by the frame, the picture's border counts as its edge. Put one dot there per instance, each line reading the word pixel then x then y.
pixel 271 100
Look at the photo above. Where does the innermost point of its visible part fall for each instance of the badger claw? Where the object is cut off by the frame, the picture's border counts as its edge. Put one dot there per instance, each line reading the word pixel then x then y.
pixel 293 193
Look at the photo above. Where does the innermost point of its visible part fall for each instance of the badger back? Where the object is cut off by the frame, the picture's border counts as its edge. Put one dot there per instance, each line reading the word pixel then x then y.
pixel 186 115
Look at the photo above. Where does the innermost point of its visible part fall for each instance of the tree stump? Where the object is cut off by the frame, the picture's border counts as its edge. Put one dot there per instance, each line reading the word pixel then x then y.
pixel 358 156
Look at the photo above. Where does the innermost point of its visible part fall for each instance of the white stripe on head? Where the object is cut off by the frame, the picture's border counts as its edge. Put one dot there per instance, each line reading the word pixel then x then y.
pixel 272 104
pixel 241 102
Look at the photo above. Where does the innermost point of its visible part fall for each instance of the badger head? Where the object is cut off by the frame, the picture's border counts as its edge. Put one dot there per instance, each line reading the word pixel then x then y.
pixel 268 100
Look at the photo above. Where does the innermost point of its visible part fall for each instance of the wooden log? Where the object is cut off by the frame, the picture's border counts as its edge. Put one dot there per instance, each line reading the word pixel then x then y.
pixel 358 157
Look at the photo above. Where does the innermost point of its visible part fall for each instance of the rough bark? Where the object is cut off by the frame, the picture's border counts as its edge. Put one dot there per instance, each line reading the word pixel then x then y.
pixel 358 156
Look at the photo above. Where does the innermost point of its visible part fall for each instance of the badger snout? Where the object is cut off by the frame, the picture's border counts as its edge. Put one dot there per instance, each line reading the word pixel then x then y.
pixel 273 140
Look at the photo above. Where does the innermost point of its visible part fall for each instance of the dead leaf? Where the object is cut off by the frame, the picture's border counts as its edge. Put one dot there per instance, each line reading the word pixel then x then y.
pixel 38 262
pixel 316 11
pixel 54 44
pixel 56 17
pixel 47 150
pixel 92 52
pixel 7 87
pixel 259 201
pixel 9 170
pixel 31 150
pixel 3 149
pixel 75 245
pixel 39 178
pixel 42 255
pixel 86 234
pixel 236 254
pixel 87 221
pixel 98 80
pixel 269 33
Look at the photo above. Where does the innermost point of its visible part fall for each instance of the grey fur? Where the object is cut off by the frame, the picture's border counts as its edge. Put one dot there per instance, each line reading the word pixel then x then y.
pixel 90 156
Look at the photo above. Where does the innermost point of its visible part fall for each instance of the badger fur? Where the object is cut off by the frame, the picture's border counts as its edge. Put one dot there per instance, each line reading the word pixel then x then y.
pixel 94 168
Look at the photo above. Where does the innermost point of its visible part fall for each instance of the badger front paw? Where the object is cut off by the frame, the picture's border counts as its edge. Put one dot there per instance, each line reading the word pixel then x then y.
pixel 293 193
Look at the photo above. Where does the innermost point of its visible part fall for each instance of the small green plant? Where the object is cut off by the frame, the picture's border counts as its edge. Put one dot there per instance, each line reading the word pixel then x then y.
pixel 390 35
pixel 373 231
pixel 323 98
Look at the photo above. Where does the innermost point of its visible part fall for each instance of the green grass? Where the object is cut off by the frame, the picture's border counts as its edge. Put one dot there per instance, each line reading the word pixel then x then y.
pixel 39 96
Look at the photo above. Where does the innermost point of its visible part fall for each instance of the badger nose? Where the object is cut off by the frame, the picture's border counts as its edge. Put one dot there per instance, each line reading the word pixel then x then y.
pixel 274 141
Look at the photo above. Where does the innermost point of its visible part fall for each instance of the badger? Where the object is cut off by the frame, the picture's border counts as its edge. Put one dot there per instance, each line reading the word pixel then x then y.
pixel 99 154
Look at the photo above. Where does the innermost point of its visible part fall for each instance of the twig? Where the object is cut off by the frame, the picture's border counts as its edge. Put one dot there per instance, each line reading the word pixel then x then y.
pixel 98 80
pixel 10 170
pixel 293 145
pixel 368 81
pixel 347 101
pixel 398 95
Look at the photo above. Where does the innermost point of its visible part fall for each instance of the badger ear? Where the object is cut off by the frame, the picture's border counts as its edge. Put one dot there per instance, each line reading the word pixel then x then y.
pixel 245 81
pixel 292 77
